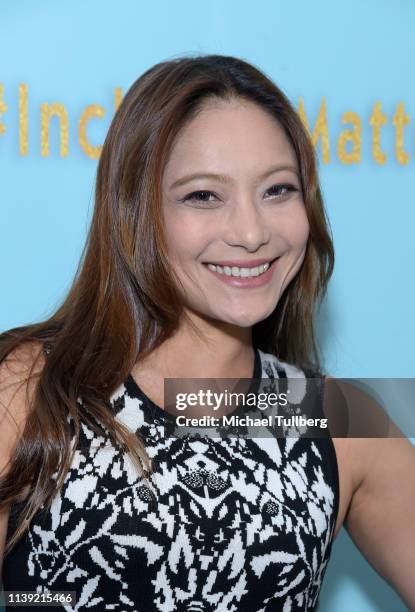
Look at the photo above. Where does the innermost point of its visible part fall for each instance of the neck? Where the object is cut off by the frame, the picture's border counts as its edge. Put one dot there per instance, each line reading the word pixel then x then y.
pixel 216 350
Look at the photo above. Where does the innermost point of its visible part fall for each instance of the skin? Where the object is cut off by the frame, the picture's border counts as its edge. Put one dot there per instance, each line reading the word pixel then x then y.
pixel 239 219
pixel 242 219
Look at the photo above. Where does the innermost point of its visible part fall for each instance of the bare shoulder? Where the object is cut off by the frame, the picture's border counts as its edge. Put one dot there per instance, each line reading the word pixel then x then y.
pixel 379 492
pixel 16 388
pixel 15 397
pixel 16 391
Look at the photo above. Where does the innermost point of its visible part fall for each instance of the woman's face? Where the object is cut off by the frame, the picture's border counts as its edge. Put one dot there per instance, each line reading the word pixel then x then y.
pixel 231 195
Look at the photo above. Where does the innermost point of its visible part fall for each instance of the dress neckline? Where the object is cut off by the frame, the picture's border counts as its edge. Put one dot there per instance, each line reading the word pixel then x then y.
pixel 135 390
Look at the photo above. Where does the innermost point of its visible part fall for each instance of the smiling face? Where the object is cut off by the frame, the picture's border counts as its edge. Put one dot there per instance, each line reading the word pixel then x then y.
pixel 254 212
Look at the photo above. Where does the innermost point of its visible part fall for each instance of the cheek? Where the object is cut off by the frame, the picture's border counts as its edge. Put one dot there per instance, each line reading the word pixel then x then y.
pixel 186 237
pixel 303 230
pixel 295 228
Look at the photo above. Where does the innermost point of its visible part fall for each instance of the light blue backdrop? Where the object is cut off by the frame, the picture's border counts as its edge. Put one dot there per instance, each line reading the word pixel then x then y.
pixel 351 53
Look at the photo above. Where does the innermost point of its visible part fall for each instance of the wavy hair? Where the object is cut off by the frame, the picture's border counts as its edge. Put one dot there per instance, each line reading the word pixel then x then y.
pixel 124 301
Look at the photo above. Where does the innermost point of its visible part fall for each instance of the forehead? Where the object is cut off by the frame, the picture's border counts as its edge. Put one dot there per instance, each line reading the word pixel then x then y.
pixel 235 134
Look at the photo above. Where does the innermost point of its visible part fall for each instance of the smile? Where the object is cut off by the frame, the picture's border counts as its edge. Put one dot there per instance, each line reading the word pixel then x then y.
pixel 240 272
pixel 244 277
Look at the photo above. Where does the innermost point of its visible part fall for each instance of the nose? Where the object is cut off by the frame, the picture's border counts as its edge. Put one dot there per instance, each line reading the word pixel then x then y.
pixel 246 226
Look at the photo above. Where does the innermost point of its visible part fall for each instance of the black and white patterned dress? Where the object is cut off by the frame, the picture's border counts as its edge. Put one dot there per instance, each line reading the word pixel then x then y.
pixel 240 524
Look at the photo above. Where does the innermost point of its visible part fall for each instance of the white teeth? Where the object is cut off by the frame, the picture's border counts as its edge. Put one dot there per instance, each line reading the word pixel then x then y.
pixel 241 272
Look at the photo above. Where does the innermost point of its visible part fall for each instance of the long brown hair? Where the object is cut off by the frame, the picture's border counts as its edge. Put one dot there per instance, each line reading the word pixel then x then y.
pixel 124 301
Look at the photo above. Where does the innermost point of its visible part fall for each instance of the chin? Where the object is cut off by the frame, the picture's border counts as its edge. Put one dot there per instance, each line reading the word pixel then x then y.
pixel 248 320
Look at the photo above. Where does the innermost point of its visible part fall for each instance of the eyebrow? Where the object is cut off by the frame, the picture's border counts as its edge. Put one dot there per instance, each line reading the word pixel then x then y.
pixel 224 178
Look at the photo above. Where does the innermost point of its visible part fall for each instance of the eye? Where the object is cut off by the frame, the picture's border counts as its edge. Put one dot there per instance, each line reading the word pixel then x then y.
pixel 282 190
pixel 203 196
pixel 198 196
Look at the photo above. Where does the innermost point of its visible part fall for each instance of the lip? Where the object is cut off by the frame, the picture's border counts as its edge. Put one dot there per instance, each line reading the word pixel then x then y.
pixel 247 283
pixel 240 263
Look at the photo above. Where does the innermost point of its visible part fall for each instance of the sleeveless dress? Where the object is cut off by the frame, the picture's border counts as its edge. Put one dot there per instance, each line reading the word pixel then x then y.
pixel 240 524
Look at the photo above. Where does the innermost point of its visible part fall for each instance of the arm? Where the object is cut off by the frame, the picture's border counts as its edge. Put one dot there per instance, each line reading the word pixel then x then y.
pixel 381 515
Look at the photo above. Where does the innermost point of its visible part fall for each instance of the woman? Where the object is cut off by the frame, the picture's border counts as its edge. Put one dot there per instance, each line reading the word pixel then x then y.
pixel 208 252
